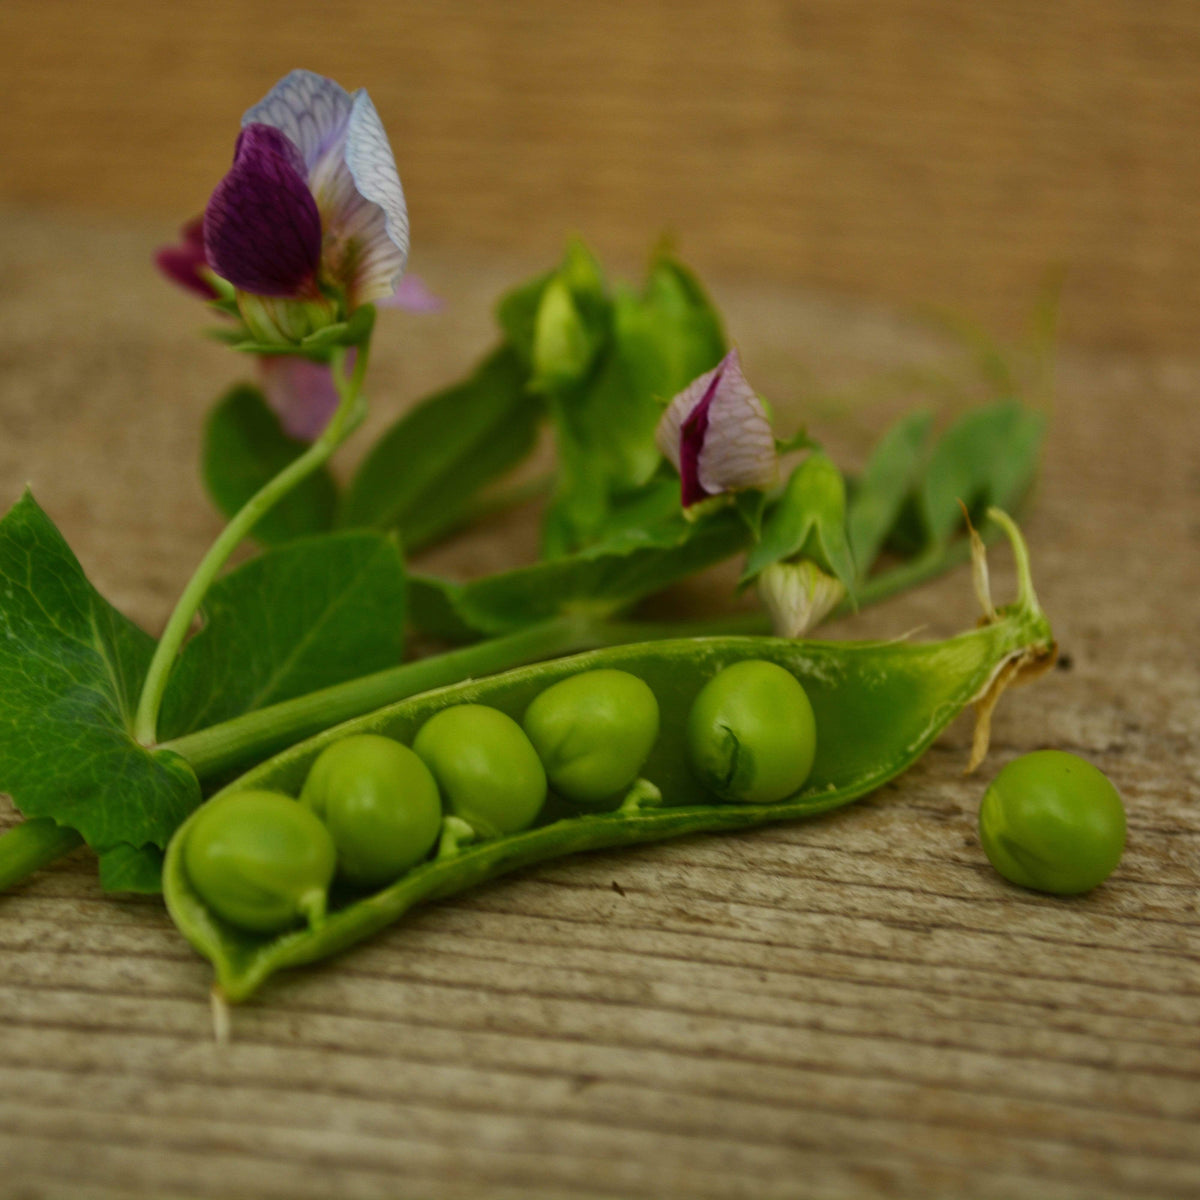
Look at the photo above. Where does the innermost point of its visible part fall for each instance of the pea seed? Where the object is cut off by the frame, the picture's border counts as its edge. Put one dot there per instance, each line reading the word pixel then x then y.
pixel 380 803
pixel 485 767
pixel 260 861
pixel 593 732
pixel 1052 822
pixel 751 734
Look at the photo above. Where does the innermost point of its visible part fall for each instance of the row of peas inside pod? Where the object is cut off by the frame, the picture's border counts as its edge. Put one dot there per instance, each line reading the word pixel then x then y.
pixel 372 809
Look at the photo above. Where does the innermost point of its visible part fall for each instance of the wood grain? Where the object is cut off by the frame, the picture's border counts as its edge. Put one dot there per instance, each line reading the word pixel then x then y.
pixel 904 150
pixel 852 1007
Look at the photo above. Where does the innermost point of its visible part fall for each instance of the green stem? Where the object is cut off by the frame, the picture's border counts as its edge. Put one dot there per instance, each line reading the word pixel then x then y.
pixel 258 734
pixel 31 845
pixel 247 739
pixel 348 416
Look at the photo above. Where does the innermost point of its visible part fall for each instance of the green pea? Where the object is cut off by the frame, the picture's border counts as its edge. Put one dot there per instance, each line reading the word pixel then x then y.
pixel 380 803
pixel 751 734
pixel 1052 822
pixel 485 767
pixel 260 860
pixel 593 732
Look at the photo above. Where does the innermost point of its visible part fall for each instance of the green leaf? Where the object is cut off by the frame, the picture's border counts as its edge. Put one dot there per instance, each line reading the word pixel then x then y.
pixel 244 447
pixel 310 614
pixel 605 424
pixel 516 314
pixel 128 868
pixel 70 670
pixel 889 477
pixel 600 581
pixel 564 344
pixel 421 476
pixel 988 456
pixel 670 334
pixel 808 520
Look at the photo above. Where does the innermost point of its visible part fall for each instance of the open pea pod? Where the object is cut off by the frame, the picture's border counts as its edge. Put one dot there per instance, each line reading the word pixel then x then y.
pixel 877 705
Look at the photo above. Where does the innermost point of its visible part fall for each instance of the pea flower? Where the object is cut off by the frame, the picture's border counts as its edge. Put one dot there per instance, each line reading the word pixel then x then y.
pixel 310 222
pixel 717 436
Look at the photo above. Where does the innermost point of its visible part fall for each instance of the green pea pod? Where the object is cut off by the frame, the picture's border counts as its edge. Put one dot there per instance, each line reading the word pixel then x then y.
pixel 878 706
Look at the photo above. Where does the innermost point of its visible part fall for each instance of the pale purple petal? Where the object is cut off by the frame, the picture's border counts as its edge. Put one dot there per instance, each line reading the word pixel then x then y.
pixel 412 295
pixel 739 447
pixel 262 230
pixel 384 246
pixel 301 393
pixel 716 434
pixel 309 109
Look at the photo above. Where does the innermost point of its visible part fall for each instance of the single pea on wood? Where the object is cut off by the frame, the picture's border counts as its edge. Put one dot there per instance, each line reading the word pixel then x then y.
pixel 380 804
pixel 1053 822
pixel 486 768
pixel 751 733
pixel 260 860
pixel 593 733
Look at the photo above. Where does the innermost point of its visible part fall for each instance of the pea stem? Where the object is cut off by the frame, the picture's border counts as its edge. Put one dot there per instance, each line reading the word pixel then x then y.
pixel 243 740
pixel 345 420
pixel 31 845
pixel 260 733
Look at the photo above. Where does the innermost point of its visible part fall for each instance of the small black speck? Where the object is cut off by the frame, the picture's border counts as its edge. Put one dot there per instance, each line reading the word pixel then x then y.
pixel 580 1082
pixel 1065 662
pixel 616 887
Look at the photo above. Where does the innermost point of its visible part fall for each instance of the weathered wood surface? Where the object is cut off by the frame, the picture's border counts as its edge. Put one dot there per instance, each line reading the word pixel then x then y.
pixel 894 149
pixel 857 1006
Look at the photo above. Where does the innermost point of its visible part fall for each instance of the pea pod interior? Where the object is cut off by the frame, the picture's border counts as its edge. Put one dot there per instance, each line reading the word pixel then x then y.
pixel 878 706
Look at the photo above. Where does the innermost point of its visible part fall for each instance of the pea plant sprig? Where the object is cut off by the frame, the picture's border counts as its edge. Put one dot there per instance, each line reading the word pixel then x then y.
pixel 666 465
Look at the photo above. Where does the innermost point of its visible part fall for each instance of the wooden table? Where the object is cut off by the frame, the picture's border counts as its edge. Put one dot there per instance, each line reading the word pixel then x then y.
pixel 856 1006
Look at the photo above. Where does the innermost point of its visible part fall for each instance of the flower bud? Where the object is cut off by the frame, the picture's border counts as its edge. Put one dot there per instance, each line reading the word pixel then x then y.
pixel 717 436
pixel 798 595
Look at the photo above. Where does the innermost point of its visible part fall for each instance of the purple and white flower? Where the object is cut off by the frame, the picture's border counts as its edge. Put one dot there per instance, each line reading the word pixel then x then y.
pixel 313 200
pixel 717 436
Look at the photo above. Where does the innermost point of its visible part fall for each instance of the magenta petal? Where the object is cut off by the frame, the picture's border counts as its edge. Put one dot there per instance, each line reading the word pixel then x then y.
pixel 262 230
pixel 182 263
pixel 691 441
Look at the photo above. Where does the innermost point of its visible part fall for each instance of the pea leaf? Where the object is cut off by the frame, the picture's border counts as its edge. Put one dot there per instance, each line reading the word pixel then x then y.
pixel 879 493
pixel 244 447
pixel 988 456
pixel 308 615
pixel 810 520
pixel 419 478
pixel 605 419
pixel 127 868
pixel 70 670
pixel 599 581
pixel 668 335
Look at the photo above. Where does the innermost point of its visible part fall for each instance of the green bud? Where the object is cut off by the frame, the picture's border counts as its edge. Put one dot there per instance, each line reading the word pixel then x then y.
pixel 798 595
